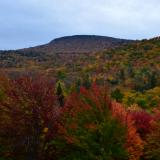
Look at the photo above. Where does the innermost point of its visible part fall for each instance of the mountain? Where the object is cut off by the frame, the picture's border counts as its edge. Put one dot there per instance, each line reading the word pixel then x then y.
pixel 79 44
pixel 59 51
pixel 133 64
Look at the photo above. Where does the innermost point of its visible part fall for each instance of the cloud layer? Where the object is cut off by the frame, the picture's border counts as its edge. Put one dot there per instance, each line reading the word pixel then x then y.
pixel 33 22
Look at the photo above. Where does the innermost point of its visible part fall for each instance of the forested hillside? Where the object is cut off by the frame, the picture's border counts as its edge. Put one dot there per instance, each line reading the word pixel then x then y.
pixel 102 105
pixel 133 69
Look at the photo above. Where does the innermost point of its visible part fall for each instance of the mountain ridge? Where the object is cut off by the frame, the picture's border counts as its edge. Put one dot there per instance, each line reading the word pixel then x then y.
pixel 79 44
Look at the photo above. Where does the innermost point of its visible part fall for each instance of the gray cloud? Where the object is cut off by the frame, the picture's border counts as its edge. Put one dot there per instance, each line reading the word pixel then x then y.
pixel 32 22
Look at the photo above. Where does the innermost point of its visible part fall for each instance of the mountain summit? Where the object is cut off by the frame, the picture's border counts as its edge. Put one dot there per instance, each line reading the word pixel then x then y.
pixel 80 44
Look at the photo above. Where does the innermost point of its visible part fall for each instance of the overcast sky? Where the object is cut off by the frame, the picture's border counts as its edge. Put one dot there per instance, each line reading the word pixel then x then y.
pixel 25 23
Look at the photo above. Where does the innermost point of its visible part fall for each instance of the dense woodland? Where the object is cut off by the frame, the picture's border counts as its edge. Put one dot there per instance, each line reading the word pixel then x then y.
pixel 81 106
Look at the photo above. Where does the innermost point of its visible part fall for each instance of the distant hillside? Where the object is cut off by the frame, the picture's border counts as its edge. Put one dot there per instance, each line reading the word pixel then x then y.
pixel 79 44
pixel 127 65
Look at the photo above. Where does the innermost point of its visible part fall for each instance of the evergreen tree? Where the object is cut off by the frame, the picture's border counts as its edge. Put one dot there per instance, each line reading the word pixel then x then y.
pixel 59 93
pixel 117 95
pixel 78 85
pixel 87 81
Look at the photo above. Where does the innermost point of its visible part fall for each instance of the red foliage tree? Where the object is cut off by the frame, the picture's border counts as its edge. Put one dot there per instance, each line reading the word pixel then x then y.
pixel 30 114
pixel 152 147
pixel 142 121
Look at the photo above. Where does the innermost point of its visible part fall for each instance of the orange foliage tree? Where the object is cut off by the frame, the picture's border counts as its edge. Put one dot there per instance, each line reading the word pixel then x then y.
pixel 134 143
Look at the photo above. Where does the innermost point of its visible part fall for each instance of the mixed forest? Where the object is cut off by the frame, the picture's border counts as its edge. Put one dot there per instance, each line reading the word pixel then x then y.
pixel 99 105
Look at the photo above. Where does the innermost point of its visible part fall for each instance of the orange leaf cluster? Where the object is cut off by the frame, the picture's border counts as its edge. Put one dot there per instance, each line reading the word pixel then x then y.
pixel 134 142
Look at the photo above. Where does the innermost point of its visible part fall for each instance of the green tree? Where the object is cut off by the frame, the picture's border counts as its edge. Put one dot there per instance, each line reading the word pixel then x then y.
pixel 60 94
pixel 87 81
pixel 117 95
pixel 78 85
pixel 61 75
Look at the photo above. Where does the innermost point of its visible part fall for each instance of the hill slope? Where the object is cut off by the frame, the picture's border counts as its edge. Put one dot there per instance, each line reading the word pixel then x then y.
pixel 134 66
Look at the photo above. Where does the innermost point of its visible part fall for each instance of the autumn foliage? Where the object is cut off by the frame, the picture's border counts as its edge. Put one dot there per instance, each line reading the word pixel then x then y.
pixel 88 126
pixel 134 143
pixel 93 123
pixel 28 114
pixel 152 147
